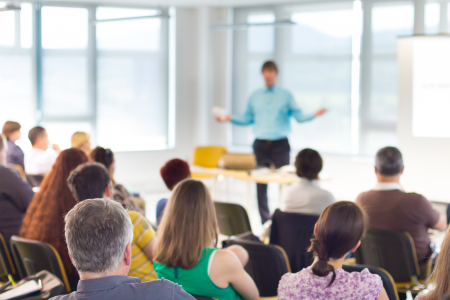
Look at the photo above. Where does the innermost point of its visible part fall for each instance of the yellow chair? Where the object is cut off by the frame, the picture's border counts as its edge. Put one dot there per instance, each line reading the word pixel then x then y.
pixel 207 157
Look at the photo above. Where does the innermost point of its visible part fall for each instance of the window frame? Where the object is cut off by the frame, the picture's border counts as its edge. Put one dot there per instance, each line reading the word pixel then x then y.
pixel 92 54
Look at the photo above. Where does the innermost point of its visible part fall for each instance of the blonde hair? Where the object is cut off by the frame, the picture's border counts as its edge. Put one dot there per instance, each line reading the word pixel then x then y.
pixel 188 225
pixel 79 138
pixel 441 276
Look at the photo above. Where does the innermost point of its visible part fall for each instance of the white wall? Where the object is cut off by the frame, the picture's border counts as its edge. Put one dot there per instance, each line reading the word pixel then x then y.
pixel 427 160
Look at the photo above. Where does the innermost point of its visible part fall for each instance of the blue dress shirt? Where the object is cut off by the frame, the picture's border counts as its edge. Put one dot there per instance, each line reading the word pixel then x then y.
pixel 126 288
pixel 270 111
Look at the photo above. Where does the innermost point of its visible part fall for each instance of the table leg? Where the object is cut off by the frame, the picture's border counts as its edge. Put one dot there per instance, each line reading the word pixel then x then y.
pixel 213 188
pixel 248 196
pixel 282 196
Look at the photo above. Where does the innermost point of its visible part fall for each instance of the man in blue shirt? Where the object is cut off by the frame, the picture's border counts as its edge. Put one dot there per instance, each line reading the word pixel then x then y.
pixel 99 233
pixel 270 109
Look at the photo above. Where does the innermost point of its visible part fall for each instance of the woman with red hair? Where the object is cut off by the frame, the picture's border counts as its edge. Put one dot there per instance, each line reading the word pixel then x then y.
pixel 44 220
pixel 173 172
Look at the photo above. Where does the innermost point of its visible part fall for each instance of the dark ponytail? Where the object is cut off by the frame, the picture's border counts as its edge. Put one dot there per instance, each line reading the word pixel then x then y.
pixel 339 228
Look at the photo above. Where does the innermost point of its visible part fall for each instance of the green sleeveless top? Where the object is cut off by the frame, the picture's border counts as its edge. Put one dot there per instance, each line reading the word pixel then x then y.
pixel 196 281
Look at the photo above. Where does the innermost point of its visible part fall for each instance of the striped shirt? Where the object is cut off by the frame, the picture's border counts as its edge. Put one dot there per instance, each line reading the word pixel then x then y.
pixel 143 233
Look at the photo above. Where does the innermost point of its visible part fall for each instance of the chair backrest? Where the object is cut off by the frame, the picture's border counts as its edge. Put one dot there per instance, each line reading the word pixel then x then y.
pixel 232 218
pixel 208 156
pixel 392 251
pixel 266 265
pixel 388 281
pixel 33 256
pixel 19 170
pixel 35 180
pixel 293 232
pixel 6 263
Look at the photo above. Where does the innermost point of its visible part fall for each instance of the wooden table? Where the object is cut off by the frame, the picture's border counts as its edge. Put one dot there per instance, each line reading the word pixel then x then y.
pixel 281 178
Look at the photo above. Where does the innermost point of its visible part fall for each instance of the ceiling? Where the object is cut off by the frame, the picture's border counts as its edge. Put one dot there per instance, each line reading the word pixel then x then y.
pixel 185 3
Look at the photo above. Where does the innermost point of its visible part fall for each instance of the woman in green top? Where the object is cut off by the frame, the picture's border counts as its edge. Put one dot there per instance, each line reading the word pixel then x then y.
pixel 184 252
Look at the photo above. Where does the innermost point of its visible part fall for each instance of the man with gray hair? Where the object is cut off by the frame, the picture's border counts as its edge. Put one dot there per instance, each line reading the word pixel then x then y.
pixel 98 235
pixel 391 208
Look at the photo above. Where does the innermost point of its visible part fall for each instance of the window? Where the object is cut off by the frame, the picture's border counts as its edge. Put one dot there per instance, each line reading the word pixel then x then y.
pixel 131 73
pixel 317 70
pixel 17 93
pixel 98 65
pixel 432 17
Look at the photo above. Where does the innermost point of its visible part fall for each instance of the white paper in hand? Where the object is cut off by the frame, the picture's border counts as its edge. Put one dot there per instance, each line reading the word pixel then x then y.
pixel 220 112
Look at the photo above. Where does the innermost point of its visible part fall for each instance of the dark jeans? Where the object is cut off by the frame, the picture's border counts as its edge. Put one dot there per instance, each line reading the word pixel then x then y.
pixel 269 153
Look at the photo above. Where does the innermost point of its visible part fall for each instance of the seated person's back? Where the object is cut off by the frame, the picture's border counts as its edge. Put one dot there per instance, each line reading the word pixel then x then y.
pixel 173 171
pixel 185 254
pixel 15 197
pixel 99 234
pixel 44 219
pixel 91 181
pixel 15 154
pixel 306 196
pixel 390 208
pixel 334 238
pixel 38 161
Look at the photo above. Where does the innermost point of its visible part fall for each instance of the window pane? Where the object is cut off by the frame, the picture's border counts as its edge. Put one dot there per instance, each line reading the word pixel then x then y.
pixel 130 90
pixel 322 32
pixel 383 100
pixel 7 27
pixel 60 132
pixel 432 17
pixel 26 25
pixel 388 23
pixel 317 84
pixel 136 35
pixel 64 86
pixel 64 28
pixel 260 39
pixel 17 99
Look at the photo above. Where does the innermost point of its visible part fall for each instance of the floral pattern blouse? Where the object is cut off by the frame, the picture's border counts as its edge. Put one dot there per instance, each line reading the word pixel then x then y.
pixel 348 286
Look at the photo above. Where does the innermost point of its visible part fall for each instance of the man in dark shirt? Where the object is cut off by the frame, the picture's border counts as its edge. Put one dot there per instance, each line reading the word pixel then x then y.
pixel 99 234
pixel 15 197
pixel 390 208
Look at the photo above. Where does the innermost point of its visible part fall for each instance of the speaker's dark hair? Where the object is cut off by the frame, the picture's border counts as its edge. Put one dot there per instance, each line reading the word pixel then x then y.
pixel 339 228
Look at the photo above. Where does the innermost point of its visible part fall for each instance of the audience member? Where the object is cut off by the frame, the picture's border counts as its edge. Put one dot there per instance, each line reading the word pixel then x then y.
pixel 390 208
pixel 82 141
pixel 120 193
pixel 337 233
pixel 186 254
pixel 15 154
pixel 306 196
pixel 440 278
pixel 39 161
pixel 90 181
pixel 15 196
pixel 44 220
pixel 99 234
pixel 173 171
